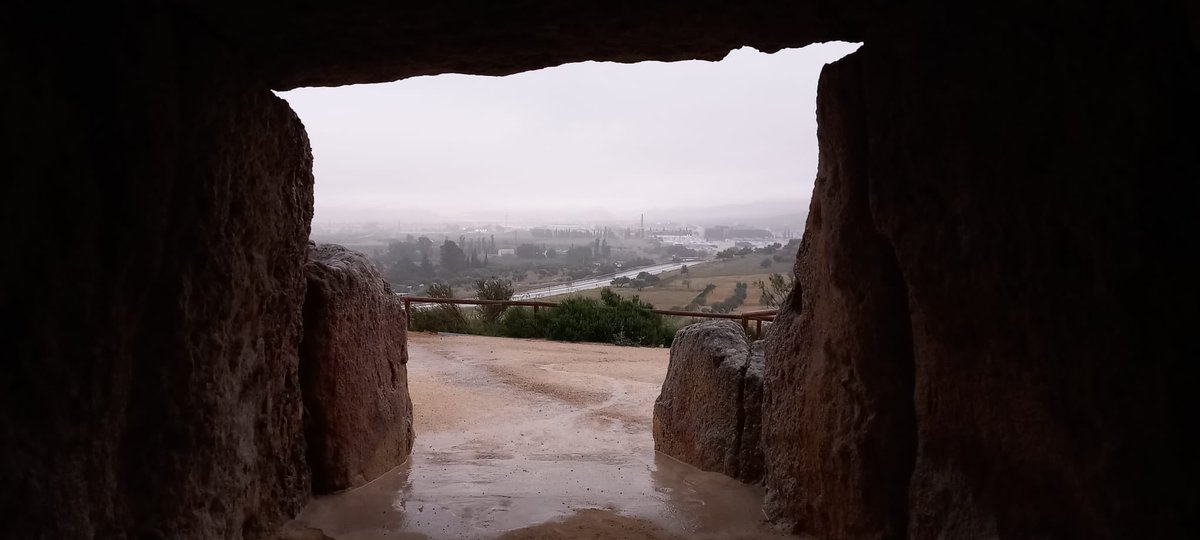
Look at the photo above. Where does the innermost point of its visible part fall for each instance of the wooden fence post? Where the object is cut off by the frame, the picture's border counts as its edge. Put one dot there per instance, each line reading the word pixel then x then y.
pixel 408 314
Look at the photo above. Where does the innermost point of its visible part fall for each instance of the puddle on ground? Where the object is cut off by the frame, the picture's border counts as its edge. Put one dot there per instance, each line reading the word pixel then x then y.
pixel 522 457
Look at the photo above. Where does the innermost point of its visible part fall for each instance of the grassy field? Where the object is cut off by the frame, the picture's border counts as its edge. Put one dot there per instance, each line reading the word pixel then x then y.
pixel 671 293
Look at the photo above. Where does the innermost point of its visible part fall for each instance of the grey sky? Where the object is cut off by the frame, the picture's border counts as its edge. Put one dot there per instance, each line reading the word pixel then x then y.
pixel 589 140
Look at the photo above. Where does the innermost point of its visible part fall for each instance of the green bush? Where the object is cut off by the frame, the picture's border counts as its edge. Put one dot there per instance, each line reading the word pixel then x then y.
pixel 702 298
pixel 736 299
pixel 493 289
pixel 612 319
pixel 439 319
pixel 521 322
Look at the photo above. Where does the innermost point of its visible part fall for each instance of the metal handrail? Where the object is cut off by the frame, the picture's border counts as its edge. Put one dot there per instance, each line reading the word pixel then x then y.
pixel 758 317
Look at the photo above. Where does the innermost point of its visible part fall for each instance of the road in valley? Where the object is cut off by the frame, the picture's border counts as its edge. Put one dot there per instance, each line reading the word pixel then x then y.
pixel 598 282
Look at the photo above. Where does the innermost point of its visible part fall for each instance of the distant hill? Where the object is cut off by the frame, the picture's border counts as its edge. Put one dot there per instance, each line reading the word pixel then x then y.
pixel 774 213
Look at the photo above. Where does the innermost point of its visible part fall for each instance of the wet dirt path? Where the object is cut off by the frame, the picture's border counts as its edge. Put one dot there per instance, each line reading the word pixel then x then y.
pixel 521 439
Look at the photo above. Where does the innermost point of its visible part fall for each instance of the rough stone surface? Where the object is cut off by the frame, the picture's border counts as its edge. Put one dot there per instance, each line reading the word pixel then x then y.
pixel 150 380
pixel 1026 166
pixel 1039 241
pixel 1038 275
pixel 358 414
pixel 841 438
pixel 363 41
pixel 751 465
pixel 700 416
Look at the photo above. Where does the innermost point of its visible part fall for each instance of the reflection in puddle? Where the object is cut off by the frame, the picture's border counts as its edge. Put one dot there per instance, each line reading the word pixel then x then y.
pixel 533 458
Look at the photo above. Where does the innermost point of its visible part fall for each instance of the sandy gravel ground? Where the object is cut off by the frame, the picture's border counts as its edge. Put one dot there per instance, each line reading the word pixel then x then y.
pixel 529 439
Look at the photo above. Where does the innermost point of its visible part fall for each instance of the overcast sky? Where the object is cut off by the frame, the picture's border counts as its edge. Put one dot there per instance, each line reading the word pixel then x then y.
pixel 578 141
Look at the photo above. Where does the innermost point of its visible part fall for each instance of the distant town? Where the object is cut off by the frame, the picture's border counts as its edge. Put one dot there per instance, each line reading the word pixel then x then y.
pixel 558 260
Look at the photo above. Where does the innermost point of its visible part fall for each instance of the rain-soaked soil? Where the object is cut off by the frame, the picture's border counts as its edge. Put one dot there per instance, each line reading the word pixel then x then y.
pixel 528 439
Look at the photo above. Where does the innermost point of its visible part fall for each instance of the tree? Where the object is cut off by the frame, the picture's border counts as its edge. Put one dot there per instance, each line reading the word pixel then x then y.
pixel 493 289
pixel 529 251
pixel 400 250
pixel 683 270
pixel 551 253
pixel 579 255
pixel 736 299
pixel 401 270
pixel 453 258
pixel 440 290
pixel 769 249
pixel 774 290
pixel 425 245
pixel 648 278
pixel 426 266
pixel 766 263
pixel 447 312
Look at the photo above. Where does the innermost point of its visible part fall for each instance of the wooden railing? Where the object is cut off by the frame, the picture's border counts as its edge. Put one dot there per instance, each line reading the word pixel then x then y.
pixel 757 317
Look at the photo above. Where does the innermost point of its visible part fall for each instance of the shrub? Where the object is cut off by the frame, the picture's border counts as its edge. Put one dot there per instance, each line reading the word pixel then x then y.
pixel 493 289
pixel 736 299
pixel 610 319
pixel 521 322
pixel 774 290
pixel 702 298
pixel 437 319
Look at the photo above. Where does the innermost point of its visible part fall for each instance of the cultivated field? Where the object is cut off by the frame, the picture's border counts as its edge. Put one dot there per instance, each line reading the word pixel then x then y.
pixel 671 293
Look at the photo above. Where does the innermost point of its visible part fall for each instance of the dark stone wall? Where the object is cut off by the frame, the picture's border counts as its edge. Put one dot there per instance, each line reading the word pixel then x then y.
pixel 160 207
pixel 839 434
pixel 1024 166
pixel 363 41
pixel 85 226
pixel 708 412
pixel 358 414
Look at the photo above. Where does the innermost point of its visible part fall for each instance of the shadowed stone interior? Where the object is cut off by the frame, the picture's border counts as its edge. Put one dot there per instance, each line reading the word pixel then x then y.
pixel 999 214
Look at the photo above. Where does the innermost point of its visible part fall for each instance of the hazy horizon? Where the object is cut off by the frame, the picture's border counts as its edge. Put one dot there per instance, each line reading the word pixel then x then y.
pixel 592 140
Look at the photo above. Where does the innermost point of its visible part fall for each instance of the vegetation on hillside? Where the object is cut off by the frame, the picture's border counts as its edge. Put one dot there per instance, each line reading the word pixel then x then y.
pixel 410 264
pixel 774 290
pixel 610 319
pixel 702 298
pixel 733 301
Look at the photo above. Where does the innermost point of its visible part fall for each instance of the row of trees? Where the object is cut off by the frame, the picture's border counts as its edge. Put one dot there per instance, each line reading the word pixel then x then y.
pixel 778 252
pixel 598 249
pixel 642 280
pixel 599 232
pixel 412 259
pixel 611 319
pixel 734 300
